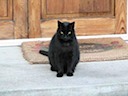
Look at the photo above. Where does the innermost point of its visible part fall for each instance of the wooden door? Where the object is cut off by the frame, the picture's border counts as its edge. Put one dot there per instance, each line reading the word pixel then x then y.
pixel 38 18
pixel 13 19
pixel 92 17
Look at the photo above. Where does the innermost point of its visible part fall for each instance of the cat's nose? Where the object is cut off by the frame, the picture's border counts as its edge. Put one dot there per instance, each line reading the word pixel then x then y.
pixel 65 37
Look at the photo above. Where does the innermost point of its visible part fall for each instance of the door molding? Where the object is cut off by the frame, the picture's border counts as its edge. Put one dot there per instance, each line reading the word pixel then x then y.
pixel 20 19
pixel 34 9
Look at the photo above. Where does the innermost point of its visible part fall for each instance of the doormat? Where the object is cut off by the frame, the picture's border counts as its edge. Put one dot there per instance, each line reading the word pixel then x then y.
pixel 101 49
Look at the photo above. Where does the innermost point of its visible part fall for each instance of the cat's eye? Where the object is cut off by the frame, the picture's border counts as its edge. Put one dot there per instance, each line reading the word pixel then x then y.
pixel 61 32
pixel 69 32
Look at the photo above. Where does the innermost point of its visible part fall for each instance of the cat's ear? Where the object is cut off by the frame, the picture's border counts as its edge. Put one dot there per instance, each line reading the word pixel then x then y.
pixel 72 25
pixel 59 24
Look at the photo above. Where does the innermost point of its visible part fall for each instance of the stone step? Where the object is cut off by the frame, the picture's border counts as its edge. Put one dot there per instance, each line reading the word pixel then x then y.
pixel 19 78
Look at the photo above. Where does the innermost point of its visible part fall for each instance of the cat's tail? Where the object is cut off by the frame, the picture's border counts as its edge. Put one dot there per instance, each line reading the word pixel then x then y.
pixel 43 52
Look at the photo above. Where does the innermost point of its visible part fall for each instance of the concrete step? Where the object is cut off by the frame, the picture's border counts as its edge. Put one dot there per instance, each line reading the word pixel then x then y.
pixel 19 78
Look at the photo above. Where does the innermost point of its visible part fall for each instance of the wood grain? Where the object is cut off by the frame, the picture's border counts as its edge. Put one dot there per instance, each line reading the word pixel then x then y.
pixel 120 13
pixel 77 8
pixel 62 6
pixel 95 6
pixel 6 30
pixel 3 8
pixel 20 18
pixel 6 10
pixel 112 23
pixel 92 17
pixel 95 26
pixel 10 9
pixel 34 18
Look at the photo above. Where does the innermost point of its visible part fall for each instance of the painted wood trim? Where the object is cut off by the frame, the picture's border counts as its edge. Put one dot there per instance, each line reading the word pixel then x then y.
pixel 120 14
pixel 34 18
pixel 20 19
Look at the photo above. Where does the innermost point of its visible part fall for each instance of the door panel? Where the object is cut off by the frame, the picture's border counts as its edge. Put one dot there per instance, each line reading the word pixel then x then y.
pixel 83 26
pixel 92 17
pixel 62 6
pixel 77 8
pixel 95 5
pixel 6 23
pixel 3 8
pixel 6 9
pixel 6 29
pixel 13 19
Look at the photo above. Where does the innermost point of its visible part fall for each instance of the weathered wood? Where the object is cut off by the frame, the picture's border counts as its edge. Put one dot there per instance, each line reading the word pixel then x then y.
pixel 120 13
pixel 10 9
pixel 3 8
pixel 77 8
pixel 6 30
pixel 113 23
pixel 95 6
pixel 95 26
pixel 6 23
pixel 20 18
pixel 34 18
pixel 62 6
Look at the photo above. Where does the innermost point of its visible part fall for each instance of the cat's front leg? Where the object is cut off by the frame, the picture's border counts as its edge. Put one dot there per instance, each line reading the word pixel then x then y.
pixel 59 74
pixel 69 70
pixel 70 73
pixel 60 70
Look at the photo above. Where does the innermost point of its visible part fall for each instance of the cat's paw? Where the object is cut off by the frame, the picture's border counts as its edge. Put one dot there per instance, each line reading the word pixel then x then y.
pixel 59 75
pixel 70 74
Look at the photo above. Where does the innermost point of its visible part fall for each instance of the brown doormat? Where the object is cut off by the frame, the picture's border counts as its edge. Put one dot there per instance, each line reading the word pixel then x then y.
pixel 102 49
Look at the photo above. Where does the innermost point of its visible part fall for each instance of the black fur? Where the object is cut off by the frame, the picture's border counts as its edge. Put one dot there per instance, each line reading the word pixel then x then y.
pixel 43 52
pixel 63 50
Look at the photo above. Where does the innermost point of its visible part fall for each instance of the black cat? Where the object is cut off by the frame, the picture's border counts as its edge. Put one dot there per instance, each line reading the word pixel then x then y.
pixel 63 51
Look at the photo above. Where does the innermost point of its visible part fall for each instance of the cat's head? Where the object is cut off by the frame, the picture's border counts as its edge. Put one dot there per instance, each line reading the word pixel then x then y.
pixel 66 31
